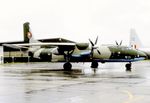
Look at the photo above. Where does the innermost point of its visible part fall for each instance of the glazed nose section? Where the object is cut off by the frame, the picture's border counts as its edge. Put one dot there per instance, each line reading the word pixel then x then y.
pixel 141 54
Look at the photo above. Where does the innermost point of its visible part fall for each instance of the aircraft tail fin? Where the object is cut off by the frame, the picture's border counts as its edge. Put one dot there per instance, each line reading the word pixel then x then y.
pixel 134 40
pixel 28 37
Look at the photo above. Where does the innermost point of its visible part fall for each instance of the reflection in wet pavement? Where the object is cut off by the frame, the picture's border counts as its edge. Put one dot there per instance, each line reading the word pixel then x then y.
pixel 47 83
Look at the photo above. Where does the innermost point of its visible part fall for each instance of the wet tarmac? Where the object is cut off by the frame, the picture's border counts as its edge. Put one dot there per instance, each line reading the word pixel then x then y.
pixel 47 83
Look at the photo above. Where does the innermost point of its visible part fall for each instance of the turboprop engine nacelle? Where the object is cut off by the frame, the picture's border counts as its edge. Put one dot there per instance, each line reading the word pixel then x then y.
pixel 43 53
pixel 82 46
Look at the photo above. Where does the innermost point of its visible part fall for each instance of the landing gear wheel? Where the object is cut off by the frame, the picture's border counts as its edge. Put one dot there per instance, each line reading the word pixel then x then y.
pixel 94 64
pixel 67 66
pixel 128 67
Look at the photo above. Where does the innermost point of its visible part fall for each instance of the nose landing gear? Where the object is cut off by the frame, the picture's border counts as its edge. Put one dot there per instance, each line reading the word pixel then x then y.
pixel 128 66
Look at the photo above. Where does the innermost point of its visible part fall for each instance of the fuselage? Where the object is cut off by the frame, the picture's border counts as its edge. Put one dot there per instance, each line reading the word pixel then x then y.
pixel 82 53
pixel 117 52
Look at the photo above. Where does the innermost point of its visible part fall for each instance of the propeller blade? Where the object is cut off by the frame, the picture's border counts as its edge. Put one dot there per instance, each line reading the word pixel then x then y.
pixel 94 47
pixel 91 42
pixel 121 42
pixel 116 43
pixel 98 52
pixel 96 40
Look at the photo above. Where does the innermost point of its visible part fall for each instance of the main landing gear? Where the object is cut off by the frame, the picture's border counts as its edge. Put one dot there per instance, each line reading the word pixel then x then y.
pixel 128 66
pixel 94 64
pixel 67 66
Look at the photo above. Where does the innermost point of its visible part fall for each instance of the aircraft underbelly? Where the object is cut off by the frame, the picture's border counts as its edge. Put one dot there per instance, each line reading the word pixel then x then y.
pixel 105 53
pixel 56 58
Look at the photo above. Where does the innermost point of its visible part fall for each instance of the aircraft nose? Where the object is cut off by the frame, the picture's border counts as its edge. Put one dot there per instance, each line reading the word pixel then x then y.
pixel 141 54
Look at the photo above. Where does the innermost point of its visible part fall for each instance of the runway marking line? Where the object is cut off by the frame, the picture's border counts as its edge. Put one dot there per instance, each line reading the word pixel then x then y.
pixel 131 98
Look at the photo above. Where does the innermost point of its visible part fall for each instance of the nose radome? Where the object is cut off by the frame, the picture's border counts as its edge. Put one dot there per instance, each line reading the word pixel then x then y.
pixel 141 54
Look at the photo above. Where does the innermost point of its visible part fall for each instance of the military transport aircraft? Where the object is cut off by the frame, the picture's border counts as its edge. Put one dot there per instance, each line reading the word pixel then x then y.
pixel 136 43
pixel 77 52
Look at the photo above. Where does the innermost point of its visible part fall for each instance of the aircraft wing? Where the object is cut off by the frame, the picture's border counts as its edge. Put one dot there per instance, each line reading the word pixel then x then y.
pixel 26 46
pixel 45 44
pixel 14 46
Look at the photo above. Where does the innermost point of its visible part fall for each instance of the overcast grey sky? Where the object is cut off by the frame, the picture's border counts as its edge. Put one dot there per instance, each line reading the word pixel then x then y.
pixel 77 20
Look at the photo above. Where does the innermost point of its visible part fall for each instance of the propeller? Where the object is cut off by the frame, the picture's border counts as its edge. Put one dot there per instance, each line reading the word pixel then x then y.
pixel 119 44
pixel 94 47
